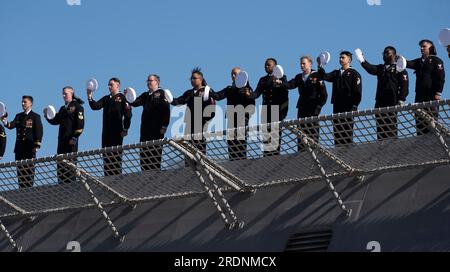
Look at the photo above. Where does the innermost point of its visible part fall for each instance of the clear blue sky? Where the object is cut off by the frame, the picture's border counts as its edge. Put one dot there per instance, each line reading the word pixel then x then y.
pixel 48 44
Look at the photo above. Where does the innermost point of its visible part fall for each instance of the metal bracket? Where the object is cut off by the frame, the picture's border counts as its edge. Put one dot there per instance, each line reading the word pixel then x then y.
pixel 88 176
pixel 437 128
pixel 12 205
pixel 300 134
pixel 309 143
pixel 10 238
pixel 83 178
pixel 189 150
pixel 214 192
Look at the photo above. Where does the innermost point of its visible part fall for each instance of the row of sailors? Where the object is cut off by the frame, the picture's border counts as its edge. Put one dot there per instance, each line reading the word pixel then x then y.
pixel 392 89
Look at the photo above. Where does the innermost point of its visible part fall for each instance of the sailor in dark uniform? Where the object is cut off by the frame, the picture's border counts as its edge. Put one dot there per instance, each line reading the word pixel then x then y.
pixel 430 78
pixel 312 97
pixel 392 89
pixel 241 107
pixel 346 96
pixel 29 134
pixel 116 122
pixel 70 119
pixel 276 100
pixel 2 141
pixel 197 100
pixel 154 122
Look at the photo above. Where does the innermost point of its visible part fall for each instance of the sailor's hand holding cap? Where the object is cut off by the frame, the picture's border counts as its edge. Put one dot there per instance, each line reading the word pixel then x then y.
pixel 323 58
pixel 3 113
pixel 130 94
pixel 89 94
pixel 319 62
pixel 400 64
pixel 359 55
pixel 168 96
pixel 247 91
pixel 206 93
pixel 49 112
pixel 91 86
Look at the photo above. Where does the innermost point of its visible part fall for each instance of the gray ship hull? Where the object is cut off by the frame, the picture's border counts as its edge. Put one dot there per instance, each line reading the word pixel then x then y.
pixel 398 211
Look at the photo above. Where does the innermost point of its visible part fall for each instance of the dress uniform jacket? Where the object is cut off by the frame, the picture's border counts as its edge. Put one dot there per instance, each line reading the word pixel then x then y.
pixel 392 86
pixel 347 88
pixel 29 133
pixel 430 77
pixel 235 97
pixel 188 98
pixel 273 95
pixel 312 94
pixel 237 143
pixel 155 116
pixel 116 118
pixel 70 119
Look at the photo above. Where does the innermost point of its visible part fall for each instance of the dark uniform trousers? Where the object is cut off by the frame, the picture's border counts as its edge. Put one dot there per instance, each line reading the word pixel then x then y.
pixel 116 119
pixel 392 87
pixel 236 98
pixel 70 119
pixel 151 156
pixel 311 129
pixel 192 98
pixel 155 116
pixel 65 173
pixel 29 136
pixel 386 124
pixel 2 141
pixel 346 96
pixel 112 161
pixel 342 127
pixel 422 125
pixel 237 147
pixel 25 172
pixel 312 96
pixel 430 79
pixel 275 97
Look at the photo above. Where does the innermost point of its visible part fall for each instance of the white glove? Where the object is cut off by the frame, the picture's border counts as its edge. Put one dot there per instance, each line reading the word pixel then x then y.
pixel 359 55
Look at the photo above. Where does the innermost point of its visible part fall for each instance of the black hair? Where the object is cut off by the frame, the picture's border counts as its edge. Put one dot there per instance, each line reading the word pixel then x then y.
pixel 115 79
pixel 197 70
pixel 432 48
pixel 29 97
pixel 347 53
pixel 272 59
pixel 391 48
